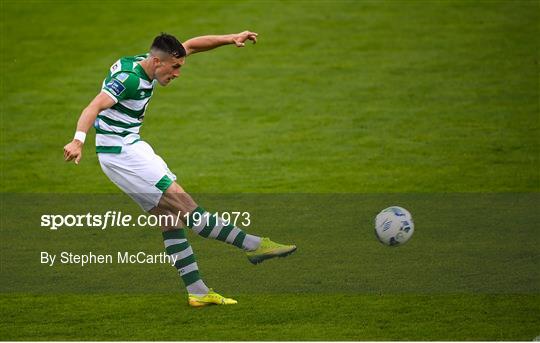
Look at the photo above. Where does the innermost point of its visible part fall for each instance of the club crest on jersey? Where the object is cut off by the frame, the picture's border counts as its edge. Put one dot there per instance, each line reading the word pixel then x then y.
pixel 116 87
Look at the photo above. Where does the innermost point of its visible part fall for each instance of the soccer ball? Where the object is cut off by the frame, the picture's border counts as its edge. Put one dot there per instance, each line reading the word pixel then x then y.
pixel 394 226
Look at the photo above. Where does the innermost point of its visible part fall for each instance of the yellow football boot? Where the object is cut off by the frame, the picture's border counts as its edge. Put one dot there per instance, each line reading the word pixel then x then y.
pixel 212 298
pixel 269 249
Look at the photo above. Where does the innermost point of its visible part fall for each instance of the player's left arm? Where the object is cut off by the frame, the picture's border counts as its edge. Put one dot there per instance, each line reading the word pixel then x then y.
pixel 205 43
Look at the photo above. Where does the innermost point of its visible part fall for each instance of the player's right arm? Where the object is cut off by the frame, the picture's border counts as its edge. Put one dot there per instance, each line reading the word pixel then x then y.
pixel 73 150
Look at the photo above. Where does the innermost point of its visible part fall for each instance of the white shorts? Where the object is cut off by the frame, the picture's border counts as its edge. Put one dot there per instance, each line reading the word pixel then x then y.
pixel 139 172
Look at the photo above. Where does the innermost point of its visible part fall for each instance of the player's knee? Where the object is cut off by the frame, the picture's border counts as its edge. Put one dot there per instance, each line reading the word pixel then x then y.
pixel 174 188
pixel 179 200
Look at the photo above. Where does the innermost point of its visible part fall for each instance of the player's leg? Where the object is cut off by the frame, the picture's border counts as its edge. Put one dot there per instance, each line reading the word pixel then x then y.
pixel 143 176
pixel 177 201
pixel 178 247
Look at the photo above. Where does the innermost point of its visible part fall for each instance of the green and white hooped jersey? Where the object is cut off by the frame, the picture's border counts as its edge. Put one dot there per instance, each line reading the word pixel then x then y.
pixel 129 86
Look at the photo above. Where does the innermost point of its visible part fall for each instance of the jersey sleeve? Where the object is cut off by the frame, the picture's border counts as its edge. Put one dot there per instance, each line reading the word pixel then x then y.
pixel 121 86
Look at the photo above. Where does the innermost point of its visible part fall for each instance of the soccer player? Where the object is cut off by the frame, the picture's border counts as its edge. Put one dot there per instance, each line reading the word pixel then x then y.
pixel 117 114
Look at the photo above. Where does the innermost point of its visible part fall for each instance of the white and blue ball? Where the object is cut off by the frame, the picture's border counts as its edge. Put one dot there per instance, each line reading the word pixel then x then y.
pixel 394 226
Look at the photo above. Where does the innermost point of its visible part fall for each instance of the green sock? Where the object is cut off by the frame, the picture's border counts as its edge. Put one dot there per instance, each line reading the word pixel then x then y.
pixel 179 248
pixel 211 226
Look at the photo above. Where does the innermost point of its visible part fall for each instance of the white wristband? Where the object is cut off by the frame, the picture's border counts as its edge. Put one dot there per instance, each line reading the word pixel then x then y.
pixel 80 136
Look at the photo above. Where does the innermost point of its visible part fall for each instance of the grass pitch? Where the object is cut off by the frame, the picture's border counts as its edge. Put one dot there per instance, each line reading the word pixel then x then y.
pixel 374 99
pixel 272 317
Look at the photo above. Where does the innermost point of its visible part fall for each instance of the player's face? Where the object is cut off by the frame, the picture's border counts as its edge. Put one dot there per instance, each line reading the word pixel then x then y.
pixel 168 69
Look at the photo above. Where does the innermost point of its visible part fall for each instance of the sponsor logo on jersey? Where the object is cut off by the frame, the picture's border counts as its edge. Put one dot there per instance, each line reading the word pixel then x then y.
pixel 115 87
pixel 122 77
pixel 115 66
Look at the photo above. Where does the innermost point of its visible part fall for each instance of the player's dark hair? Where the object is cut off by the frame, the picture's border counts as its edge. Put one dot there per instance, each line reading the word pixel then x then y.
pixel 169 44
